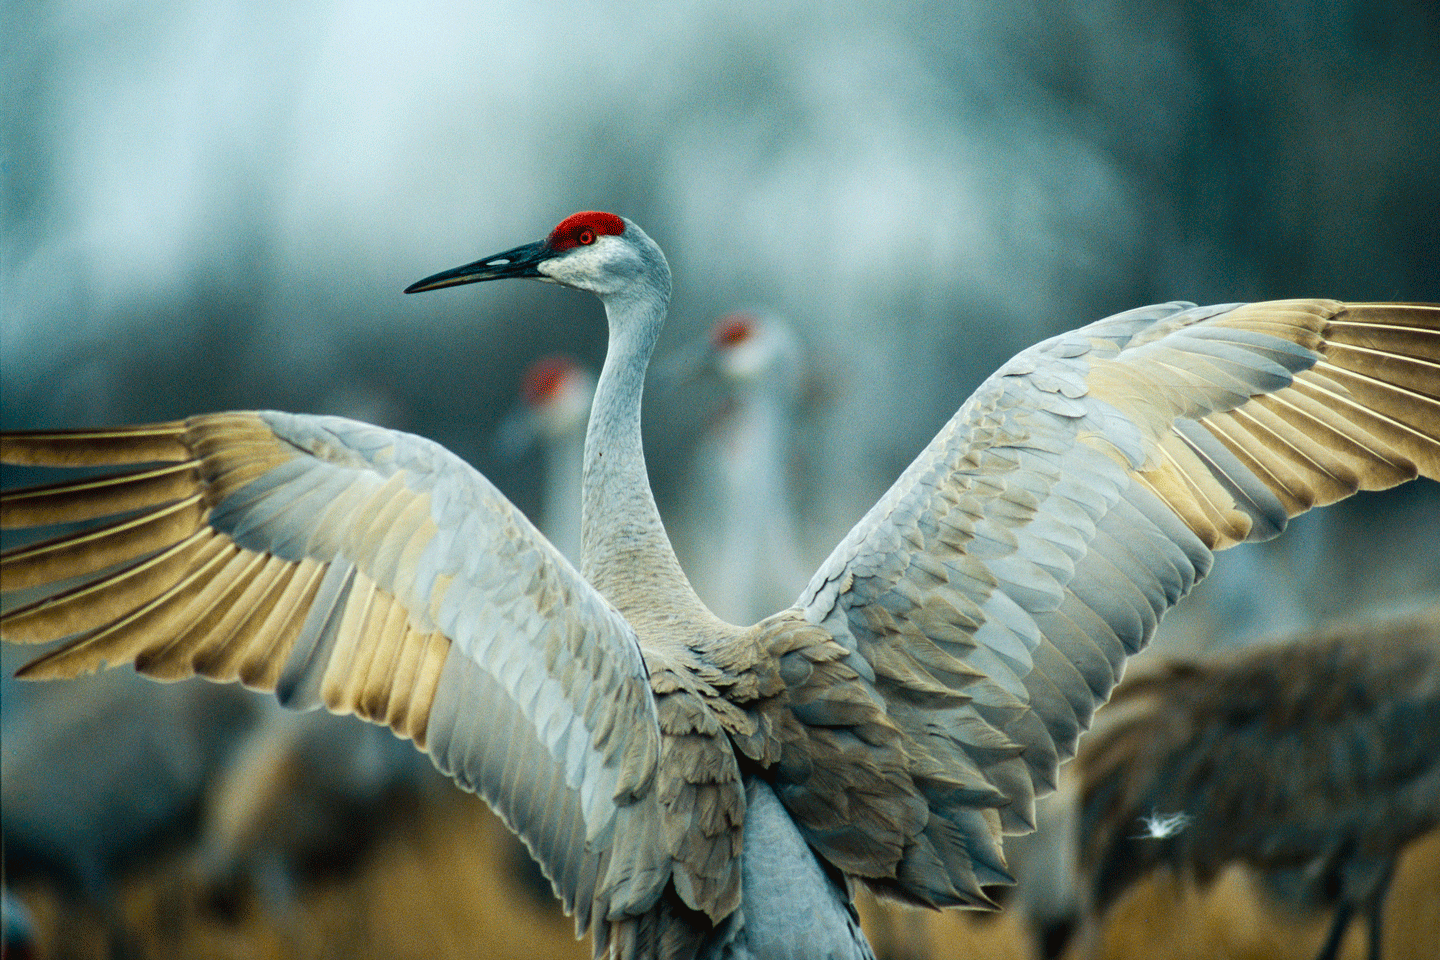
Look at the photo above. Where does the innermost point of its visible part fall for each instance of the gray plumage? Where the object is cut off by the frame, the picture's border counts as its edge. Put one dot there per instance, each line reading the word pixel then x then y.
pixel 905 712
pixel 791 908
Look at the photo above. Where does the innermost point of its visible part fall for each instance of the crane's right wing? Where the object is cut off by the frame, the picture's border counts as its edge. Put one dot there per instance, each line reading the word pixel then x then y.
pixel 371 572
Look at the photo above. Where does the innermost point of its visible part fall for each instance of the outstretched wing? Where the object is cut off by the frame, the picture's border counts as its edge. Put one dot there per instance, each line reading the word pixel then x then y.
pixel 989 600
pixel 371 572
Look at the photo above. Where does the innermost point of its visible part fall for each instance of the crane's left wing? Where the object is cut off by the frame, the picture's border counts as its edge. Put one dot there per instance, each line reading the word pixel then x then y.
pixel 370 572
pixel 986 605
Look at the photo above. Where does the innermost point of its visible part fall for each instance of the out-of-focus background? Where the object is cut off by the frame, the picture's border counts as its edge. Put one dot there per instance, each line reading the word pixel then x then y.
pixel 215 205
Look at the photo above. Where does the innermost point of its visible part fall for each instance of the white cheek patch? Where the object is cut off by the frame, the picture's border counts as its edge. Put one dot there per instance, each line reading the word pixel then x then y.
pixel 583 267
pixel 748 359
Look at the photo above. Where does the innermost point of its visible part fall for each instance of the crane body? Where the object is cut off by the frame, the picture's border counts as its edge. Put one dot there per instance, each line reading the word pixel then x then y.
pixel 1314 760
pixel 903 713
pixel 790 908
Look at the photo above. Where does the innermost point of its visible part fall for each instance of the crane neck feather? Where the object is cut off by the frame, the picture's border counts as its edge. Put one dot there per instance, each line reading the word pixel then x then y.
pixel 626 552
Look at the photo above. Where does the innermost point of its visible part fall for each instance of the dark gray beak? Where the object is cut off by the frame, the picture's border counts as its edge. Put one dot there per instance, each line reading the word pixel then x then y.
pixel 519 262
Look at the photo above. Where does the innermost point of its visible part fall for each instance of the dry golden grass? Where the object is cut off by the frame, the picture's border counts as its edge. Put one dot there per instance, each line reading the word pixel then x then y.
pixel 441 882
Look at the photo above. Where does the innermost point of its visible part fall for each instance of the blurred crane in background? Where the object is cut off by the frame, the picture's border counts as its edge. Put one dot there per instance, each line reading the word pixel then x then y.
pixel 747 551
pixel 112 775
pixel 554 407
pixel 300 795
pixel 689 786
pixel 1314 761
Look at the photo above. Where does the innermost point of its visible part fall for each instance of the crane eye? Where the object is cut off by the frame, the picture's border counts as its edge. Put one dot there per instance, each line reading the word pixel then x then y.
pixel 587 236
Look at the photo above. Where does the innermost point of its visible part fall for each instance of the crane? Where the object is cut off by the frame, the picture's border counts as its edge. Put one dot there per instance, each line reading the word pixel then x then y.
pixel 749 563
pixel 693 787
pixel 1314 760
pixel 555 393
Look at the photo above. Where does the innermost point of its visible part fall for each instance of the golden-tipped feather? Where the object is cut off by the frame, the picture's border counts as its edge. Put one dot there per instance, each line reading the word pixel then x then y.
pixel 88 448
pixel 177 598
pixel 1366 416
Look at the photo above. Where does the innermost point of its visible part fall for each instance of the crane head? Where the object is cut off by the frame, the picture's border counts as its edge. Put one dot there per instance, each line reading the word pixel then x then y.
pixel 599 252
pixel 751 346
pixel 548 380
pixel 558 391
pixel 555 399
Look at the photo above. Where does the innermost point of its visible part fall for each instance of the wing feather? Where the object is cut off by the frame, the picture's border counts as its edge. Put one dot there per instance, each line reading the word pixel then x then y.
pixel 210 613
pixel 75 556
pixel 138 589
pixel 262 662
pixel 373 573
pixel 1074 498
pixel 97 497
pixel 147 443
pixel 222 661
pixel 300 681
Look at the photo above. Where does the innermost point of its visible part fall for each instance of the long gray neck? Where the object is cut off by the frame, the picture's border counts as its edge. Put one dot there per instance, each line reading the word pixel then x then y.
pixel 627 555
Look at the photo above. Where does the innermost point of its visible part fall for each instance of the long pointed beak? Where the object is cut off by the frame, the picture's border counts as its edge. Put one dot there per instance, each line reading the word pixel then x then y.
pixel 519 262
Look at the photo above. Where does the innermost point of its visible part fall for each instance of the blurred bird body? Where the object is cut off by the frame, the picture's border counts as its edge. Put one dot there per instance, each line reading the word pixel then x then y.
pixel 1168 915
pixel 302 794
pixel 16 927
pixel 899 719
pixel 1313 762
pixel 109 775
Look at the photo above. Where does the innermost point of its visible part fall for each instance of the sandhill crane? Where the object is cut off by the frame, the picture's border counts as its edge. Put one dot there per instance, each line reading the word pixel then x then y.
pixel 555 394
pixel 748 559
pixel 694 788
pixel 1314 760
